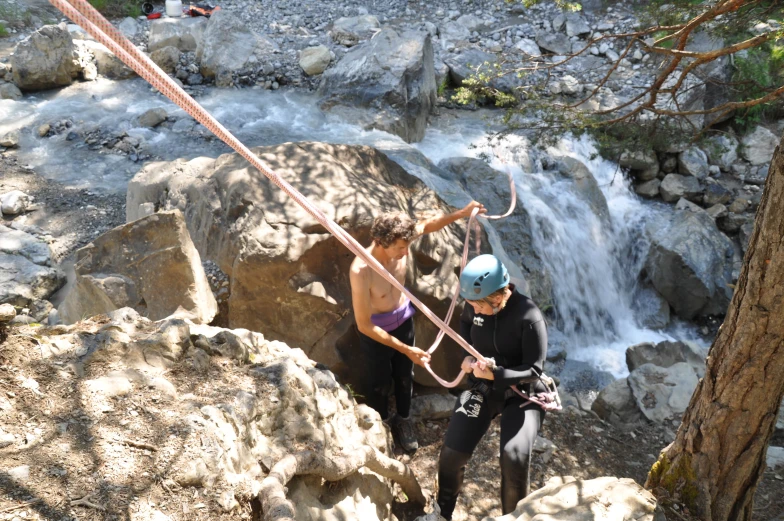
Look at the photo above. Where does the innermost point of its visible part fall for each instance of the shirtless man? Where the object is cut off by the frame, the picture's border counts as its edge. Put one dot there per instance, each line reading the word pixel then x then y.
pixel 384 316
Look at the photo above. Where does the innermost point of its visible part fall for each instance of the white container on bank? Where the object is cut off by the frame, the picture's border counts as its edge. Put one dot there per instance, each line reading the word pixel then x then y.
pixel 174 8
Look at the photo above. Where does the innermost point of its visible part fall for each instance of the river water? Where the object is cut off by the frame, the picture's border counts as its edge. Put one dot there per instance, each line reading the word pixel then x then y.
pixel 594 262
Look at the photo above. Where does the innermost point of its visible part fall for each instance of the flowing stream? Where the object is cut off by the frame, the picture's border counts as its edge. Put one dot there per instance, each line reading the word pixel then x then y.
pixel 594 262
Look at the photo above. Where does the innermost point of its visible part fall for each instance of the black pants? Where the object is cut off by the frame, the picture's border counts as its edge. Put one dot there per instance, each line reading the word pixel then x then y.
pixel 470 420
pixel 385 367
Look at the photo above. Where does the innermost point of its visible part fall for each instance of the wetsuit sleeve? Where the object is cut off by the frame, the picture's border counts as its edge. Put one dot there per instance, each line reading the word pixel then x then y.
pixel 534 346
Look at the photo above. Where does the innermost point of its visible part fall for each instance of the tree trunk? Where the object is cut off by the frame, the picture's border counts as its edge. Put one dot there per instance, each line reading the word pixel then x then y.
pixel 718 455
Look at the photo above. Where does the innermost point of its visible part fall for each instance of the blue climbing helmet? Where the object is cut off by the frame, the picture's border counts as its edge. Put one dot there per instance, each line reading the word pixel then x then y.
pixel 482 276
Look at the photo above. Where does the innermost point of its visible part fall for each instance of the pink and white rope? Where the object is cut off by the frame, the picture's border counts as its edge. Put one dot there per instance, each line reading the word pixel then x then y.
pixel 87 17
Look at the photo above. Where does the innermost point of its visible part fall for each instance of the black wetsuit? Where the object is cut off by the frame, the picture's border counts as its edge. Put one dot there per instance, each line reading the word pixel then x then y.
pixel 516 337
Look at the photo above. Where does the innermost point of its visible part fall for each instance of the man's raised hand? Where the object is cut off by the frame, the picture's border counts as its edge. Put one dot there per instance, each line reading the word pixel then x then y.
pixel 466 212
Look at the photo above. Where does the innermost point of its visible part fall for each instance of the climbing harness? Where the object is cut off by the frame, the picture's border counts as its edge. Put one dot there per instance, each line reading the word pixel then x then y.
pixel 87 17
pixel 548 400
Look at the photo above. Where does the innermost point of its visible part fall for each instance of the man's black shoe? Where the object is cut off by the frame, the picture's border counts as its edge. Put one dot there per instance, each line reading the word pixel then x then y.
pixel 403 431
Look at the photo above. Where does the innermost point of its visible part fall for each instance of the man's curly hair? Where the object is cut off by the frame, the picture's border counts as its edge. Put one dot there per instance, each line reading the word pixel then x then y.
pixel 390 227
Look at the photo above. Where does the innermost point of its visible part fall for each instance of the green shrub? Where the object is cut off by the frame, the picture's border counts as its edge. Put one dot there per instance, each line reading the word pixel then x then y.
pixel 755 74
pixel 3 31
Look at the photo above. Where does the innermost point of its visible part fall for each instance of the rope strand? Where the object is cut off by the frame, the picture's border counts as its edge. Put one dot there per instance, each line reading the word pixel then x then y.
pixel 87 17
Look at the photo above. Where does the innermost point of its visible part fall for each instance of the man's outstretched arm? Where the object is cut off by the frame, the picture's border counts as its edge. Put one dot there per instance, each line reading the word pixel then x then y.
pixel 436 223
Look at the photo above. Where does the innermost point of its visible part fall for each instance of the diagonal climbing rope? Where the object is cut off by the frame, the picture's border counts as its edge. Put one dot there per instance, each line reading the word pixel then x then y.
pixel 87 17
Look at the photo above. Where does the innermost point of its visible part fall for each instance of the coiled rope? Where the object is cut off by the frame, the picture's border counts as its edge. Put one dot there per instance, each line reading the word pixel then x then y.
pixel 89 19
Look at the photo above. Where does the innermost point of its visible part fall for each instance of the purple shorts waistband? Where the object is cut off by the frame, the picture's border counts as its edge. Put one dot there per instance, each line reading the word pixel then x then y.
pixel 394 319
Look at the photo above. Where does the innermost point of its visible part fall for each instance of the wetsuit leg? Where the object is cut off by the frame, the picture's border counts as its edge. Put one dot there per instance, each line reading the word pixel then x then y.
pixel 377 374
pixel 470 419
pixel 403 369
pixel 519 428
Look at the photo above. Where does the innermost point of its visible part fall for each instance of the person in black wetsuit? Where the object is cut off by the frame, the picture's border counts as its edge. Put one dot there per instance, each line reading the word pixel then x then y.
pixel 504 324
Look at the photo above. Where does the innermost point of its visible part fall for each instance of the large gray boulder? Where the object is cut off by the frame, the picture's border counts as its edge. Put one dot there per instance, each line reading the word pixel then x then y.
pixel 528 48
pixel 599 499
pixel 757 147
pixel 315 60
pixel 10 139
pixel 471 22
pixel 577 25
pixel 14 202
pixel 663 393
pixel 650 309
pixel 484 183
pixel 107 63
pixel 355 27
pixel 129 27
pixel 648 189
pixel 468 62
pixel 638 159
pixel 432 406
pixel 388 84
pixel 693 162
pixel 453 33
pixel 183 33
pixel 150 265
pixel 722 151
pixel 615 404
pixel 556 43
pixel 17 242
pixel 666 354
pixel 151 118
pixel 643 163
pixel 716 194
pixel 471 61
pixel 229 45
pixel 690 263
pixel 10 91
pixel 289 279
pixel 167 58
pixel 45 59
pixel 585 184
pixel 26 274
pixel 676 186
pixel 269 401
pixel 8 313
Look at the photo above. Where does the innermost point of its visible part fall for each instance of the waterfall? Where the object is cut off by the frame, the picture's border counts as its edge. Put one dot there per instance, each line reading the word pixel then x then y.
pixel 593 261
